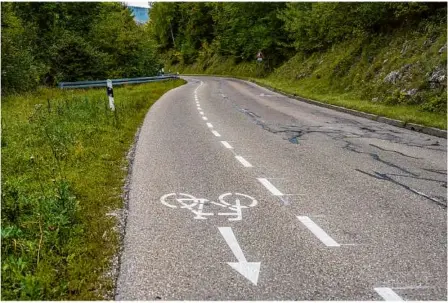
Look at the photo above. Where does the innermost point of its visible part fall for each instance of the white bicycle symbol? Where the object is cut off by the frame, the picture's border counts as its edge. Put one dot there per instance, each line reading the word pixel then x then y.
pixel 196 205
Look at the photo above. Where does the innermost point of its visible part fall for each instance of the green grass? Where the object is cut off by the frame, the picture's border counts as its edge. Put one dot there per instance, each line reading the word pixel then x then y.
pixel 406 113
pixel 63 169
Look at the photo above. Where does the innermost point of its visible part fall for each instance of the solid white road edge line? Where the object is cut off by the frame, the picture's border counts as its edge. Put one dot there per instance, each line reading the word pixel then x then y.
pixel 270 187
pixel 318 232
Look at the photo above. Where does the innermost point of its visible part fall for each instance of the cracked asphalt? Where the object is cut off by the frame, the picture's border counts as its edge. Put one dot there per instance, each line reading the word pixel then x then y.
pixel 378 191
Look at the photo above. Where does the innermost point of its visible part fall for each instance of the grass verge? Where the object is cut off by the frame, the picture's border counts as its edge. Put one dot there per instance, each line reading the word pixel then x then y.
pixel 407 113
pixel 63 169
pixel 404 112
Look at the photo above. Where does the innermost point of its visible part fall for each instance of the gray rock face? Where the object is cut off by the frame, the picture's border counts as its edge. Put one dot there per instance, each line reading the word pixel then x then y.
pixel 437 77
pixel 393 77
pixel 410 92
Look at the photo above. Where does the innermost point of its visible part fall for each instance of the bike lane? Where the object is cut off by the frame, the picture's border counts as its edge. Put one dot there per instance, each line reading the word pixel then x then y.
pixel 173 253
pixel 174 248
pixel 181 245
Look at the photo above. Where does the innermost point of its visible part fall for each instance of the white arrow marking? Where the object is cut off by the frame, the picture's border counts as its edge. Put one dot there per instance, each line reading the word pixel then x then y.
pixel 250 270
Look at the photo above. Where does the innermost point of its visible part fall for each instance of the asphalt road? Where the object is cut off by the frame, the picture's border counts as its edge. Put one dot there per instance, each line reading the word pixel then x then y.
pixel 239 193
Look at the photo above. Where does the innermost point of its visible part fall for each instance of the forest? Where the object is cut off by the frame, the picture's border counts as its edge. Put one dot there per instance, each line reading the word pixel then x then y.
pixel 44 43
pixel 375 53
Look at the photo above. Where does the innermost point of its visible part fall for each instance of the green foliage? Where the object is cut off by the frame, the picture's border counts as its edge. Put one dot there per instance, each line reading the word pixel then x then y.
pixel 63 154
pixel 19 71
pixel 48 42
pixel 342 48
pixel 318 25
pixel 234 30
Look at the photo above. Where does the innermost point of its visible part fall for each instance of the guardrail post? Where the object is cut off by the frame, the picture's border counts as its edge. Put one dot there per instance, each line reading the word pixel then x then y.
pixel 110 94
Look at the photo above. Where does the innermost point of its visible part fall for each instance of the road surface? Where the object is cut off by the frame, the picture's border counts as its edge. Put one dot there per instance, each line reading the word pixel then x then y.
pixel 239 193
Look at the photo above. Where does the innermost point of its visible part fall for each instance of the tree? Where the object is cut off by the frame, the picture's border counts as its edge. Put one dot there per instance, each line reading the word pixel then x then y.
pixel 20 70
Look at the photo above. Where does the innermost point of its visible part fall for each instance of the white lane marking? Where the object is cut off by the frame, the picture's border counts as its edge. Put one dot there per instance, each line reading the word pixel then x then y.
pixel 250 270
pixel 226 144
pixel 317 231
pixel 209 125
pixel 388 294
pixel 270 187
pixel 243 161
pixel 284 200
pixel 204 118
pixel 216 133
pixel 201 113
pixel 199 108
pixel 228 235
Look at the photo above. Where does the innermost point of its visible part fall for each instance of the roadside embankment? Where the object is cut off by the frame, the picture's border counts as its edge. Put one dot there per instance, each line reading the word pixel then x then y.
pixel 63 171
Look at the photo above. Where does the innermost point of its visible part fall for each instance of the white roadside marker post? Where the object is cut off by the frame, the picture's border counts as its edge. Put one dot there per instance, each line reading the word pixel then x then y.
pixel 110 94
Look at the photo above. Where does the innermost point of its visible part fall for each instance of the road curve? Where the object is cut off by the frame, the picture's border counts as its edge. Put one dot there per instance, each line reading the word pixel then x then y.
pixel 239 193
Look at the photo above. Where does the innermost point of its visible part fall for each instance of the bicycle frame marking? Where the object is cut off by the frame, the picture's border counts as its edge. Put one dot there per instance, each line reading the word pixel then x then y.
pixel 196 205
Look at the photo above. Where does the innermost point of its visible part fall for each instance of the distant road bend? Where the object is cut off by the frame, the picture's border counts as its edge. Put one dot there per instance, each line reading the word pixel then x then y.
pixel 239 193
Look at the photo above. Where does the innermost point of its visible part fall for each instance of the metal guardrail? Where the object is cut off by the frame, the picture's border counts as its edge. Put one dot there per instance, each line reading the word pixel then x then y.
pixel 103 83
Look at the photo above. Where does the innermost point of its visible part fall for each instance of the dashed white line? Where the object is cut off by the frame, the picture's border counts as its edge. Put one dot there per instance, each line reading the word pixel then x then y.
pixel 215 133
pixel 388 294
pixel 209 125
pixel 226 144
pixel 199 108
pixel 243 161
pixel 318 232
pixel 201 113
pixel 270 187
pixel 204 118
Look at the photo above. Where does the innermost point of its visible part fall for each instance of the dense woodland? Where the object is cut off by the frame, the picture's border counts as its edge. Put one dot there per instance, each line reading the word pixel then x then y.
pixel 391 53
pixel 47 42
pixel 239 30
pixel 44 43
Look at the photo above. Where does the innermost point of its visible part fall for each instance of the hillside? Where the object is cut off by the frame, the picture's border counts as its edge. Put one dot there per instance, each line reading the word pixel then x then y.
pixel 395 66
